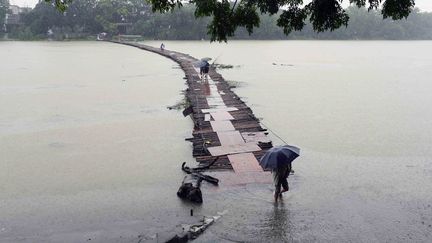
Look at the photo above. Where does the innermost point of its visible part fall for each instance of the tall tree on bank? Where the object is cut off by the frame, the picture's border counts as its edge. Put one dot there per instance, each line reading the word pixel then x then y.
pixel 110 12
pixel 4 8
pixel 228 15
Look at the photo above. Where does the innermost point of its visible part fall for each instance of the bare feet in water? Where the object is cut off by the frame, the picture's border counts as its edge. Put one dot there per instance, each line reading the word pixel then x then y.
pixel 276 196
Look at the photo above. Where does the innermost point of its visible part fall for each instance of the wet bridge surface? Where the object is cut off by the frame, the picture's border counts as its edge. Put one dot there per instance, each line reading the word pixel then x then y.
pixel 226 129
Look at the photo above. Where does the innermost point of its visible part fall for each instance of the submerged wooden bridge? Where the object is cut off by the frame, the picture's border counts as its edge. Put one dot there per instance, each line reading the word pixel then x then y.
pixel 225 127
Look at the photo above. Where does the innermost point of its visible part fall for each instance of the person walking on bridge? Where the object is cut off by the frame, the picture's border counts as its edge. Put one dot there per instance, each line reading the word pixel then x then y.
pixel 279 160
pixel 204 70
pixel 280 179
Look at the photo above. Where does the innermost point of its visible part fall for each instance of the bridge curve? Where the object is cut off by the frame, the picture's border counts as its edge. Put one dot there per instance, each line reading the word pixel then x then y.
pixel 225 127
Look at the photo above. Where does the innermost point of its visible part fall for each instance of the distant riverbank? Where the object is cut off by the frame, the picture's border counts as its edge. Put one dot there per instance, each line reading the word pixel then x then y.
pixel 44 22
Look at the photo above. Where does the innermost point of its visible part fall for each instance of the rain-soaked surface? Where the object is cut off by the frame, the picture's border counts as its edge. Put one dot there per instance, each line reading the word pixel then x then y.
pixel 89 150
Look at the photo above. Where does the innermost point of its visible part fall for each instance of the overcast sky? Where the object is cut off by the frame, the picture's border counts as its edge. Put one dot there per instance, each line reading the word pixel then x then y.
pixel 425 5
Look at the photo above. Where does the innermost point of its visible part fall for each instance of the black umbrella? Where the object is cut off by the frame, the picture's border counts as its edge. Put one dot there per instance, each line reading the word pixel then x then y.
pixel 206 59
pixel 200 63
pixel 278 156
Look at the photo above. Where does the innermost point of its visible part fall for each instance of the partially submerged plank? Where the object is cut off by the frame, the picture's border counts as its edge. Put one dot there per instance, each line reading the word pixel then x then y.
pixel 255 137
pixel 207 117
pixel 233 149
pixel 222 126
pixel 230 138
pixel 215 100
pixel 215 104
pixel 244 162
pixel 218 109
pixel 221 116
pixel 230 178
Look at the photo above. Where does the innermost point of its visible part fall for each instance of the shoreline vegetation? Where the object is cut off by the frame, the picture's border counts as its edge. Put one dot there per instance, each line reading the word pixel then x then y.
pixel 85 19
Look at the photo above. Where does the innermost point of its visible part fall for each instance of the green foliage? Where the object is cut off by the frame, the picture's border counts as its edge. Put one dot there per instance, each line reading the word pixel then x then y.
pixel 179 24
pixel 246 17
pixel 326 15
pixel 220 27
pixel 23 33
pixel 41 18
pixel 4 8
pixel 323 14
pixel 61 5
pixel 228 16
pixel 82 17
pixel 367 25
pixel 292 19
pixel 111 12
pixel 89 17
pixel 164 5
pixel 397 9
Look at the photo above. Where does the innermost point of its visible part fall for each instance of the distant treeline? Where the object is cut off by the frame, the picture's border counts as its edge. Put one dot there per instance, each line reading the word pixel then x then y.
pixel 86 18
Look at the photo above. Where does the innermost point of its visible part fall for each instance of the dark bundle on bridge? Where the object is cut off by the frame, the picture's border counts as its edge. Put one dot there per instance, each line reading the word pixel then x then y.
pixel 226 131
pixel 190 189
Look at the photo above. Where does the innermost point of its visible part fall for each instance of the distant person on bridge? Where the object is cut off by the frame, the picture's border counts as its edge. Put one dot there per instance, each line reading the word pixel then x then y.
pixel 162 47
pixel 204 69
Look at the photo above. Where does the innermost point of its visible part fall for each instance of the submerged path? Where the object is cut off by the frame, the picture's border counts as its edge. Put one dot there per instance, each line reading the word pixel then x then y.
pixel 225 127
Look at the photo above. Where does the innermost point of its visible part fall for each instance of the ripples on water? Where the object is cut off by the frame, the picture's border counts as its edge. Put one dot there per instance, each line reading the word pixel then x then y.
pixel 360 112
pixel 87 142
pixel 360 97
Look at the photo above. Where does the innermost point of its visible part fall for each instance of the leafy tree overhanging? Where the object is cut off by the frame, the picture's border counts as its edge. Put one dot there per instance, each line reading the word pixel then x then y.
pixel 229 15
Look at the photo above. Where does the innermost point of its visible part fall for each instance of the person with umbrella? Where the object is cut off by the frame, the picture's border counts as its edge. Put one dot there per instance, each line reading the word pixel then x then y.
pixel 204 67
pixel 279 160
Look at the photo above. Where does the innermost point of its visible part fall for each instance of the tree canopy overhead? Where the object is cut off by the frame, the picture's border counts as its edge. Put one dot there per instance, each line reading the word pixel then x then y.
pixel 228 15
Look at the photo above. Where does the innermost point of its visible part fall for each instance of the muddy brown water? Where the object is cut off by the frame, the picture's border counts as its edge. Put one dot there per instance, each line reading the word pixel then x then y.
pixel 89 150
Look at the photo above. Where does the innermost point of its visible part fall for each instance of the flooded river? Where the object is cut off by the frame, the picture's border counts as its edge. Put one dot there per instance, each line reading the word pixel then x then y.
pixel 88 149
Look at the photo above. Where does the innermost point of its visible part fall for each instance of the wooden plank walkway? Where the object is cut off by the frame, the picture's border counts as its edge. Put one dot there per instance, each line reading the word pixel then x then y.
pixel 224 125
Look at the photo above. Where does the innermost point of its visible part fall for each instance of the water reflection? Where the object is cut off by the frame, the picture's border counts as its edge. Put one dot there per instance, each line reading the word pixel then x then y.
pixel 278 226
pixel 206 87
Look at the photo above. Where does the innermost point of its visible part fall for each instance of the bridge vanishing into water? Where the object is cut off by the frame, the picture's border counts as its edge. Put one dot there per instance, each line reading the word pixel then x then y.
pixel 226 130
